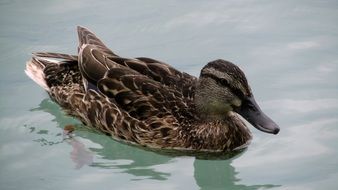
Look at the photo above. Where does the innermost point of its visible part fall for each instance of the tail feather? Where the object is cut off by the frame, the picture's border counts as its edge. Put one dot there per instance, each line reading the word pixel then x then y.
pixel 34 70
pixel 42 62
pixel 66 57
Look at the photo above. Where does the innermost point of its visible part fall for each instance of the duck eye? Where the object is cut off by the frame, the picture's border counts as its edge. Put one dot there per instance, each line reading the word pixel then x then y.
pixel 223 82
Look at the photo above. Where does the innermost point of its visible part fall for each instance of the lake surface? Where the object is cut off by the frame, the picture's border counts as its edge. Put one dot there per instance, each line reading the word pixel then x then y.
pixel 288 50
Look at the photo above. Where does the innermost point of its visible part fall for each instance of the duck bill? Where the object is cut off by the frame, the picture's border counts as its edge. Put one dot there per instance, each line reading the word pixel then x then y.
pixel 250 111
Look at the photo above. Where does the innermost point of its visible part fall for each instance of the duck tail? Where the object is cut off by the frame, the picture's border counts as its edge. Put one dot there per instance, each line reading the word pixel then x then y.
pixel 58 56
pixel 34 70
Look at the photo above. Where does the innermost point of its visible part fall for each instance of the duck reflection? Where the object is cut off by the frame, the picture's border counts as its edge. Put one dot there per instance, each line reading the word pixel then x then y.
pixel 141 163
pixel 223 176
pixel 112 155
pixel 80 155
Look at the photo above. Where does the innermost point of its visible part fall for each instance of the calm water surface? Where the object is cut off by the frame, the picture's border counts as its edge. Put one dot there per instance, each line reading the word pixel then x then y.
pixel 288 51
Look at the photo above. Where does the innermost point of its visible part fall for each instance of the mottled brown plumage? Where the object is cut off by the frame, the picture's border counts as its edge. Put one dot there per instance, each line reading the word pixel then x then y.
pixel 147 102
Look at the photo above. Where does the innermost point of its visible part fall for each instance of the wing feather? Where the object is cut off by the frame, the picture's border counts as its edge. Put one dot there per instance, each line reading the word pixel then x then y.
pixel 141 96
pixel 95 59
pixel 160 72
pixel 87 37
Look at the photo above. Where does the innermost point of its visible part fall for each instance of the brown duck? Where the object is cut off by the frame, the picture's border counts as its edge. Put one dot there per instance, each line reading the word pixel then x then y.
pixel 147 102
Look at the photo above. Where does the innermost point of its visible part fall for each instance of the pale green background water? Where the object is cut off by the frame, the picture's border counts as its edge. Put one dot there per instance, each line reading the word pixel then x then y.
pixel 288 50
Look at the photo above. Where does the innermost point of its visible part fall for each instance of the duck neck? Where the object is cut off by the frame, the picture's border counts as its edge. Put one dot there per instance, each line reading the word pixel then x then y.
pixel 225 134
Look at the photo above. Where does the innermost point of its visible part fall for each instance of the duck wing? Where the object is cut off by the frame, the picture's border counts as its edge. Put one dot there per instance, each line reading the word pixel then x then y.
pixel 143 97
pixel 87 37
pixel 95 59
pixel 161 72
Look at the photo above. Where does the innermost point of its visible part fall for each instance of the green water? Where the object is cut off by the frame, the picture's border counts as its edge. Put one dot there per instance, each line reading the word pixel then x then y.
pixel 288 50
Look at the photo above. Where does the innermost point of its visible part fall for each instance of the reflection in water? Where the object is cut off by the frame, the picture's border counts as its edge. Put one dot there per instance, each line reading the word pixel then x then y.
pixel 223 176
pixel 209 174
pixel 80 154
pixel 111 152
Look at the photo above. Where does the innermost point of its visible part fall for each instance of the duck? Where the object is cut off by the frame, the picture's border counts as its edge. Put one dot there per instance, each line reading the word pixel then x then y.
pixel 145 102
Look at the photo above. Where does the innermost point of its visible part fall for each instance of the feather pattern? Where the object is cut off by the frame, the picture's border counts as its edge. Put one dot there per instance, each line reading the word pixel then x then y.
pixel 138 100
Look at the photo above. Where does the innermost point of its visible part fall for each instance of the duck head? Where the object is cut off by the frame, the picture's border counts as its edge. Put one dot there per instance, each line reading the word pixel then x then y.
pixel 223 88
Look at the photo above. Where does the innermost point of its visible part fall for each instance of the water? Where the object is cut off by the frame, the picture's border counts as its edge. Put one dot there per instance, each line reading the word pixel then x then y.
pixel 287 49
